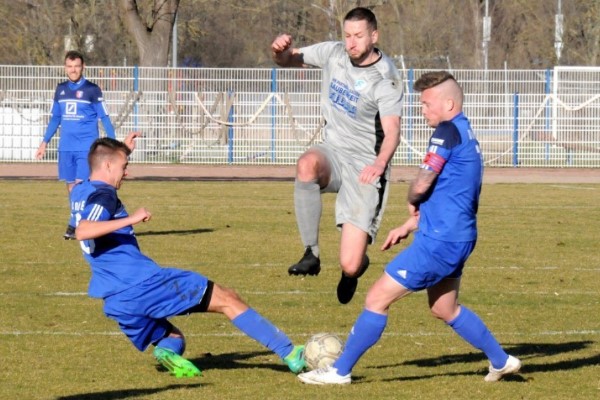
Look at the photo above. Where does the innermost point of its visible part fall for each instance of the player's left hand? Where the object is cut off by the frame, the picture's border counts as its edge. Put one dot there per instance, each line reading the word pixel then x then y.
pixel 141 215
pixel 370 173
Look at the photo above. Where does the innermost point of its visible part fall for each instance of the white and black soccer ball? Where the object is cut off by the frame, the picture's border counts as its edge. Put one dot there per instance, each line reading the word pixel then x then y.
pixel 322 350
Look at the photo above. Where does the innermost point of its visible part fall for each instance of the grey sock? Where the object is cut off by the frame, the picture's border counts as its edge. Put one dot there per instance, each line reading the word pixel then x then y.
pixel 307 202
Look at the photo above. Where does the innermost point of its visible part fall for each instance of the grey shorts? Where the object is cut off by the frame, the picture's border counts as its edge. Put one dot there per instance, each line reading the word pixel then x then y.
pixel 359 204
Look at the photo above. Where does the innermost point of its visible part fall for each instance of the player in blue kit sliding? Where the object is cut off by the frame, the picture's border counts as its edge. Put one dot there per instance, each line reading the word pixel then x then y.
pixel 140 295
pixel 78 105
pixel 442 206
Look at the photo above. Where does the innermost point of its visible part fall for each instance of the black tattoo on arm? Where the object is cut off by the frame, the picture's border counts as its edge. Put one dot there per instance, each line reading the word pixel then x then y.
pixel 421 187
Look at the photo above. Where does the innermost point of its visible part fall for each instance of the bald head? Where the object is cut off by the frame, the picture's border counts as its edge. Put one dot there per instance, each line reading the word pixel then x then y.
pixel 441 96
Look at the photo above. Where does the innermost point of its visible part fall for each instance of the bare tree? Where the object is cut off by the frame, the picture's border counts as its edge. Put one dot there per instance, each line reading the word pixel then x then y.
pixel 152 34
pixel 216 33
pixel 582 32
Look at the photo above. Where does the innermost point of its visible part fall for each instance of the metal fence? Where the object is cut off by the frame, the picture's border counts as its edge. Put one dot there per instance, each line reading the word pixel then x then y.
pixel 533 118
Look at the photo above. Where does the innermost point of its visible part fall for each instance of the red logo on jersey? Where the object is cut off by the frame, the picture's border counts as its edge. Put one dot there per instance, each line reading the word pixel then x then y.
pixel 79 94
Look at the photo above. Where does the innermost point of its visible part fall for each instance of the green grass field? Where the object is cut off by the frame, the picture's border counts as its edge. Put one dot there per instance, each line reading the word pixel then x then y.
pixel 533 279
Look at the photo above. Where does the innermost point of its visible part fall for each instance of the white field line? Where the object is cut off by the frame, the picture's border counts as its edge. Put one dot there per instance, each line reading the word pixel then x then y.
pixel 584 332
pixel 573 187
pixel 469 267
pixel 304 292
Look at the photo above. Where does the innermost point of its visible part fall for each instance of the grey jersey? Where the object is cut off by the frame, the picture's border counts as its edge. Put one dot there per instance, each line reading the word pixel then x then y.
pixel 353 99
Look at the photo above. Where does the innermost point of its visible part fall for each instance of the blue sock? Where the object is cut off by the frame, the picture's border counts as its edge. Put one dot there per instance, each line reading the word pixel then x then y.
pixel 175 344
pixel 472 329
pixel 264 332
pixel 365 333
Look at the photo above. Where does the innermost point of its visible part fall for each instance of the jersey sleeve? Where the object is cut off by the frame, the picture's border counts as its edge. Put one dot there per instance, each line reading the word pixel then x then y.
pixel 389 96
pixel 318 54
pixel 445 138
pixel 100 206
pixel 108 127
pixel 102 112
pixel 53 123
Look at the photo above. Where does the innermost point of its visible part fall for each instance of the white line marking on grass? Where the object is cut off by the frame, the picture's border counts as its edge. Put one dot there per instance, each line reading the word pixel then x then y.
pixel 573 187
pixel 304 292
pixel 585 332
pixel 540 207
pixel 67 294
pixel 516 268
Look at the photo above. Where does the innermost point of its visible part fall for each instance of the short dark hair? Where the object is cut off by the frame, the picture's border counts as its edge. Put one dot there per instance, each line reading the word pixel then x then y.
pixel 362 14
pixel 74 55
pixel 105 147
pixel 431 79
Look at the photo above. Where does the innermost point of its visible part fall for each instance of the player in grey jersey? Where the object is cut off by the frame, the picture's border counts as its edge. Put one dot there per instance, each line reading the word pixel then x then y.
pixel 361 101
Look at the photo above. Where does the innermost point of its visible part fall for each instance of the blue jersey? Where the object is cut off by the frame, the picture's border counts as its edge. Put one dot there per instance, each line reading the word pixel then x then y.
pixel 115 259
pixel 77 108
pixel 449 213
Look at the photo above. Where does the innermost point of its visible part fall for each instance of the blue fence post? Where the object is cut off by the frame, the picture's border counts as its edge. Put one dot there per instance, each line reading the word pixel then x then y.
pixel 136 89
pixel 516 131
pixel 548 111
pixel 409 112
pixel 230 119
pixel 273 111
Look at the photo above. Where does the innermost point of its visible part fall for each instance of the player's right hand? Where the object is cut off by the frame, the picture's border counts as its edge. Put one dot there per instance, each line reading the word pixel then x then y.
pixel 281 43
pixel 41 151
pixel 400 233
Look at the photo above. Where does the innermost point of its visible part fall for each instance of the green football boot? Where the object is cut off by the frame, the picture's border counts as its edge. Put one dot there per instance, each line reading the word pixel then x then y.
pixel 295 360
pixel 177 366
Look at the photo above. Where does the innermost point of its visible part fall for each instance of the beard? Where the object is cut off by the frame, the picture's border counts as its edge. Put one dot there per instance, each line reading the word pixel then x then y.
pixel 358 58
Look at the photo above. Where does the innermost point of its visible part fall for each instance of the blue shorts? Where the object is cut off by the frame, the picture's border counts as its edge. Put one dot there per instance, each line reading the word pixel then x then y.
pixel 426 261
pixel 142 310
pixel 73 166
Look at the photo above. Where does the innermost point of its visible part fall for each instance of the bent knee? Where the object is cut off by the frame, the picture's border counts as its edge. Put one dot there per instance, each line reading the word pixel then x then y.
pixel 350 270
pixel 226 301
pixel 308 166
pixel 351 266
pixel 443 314
pixel 227 295
pixel 376 304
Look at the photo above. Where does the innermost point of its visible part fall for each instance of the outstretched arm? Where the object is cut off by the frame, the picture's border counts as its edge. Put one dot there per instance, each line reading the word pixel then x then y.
pixel 93 229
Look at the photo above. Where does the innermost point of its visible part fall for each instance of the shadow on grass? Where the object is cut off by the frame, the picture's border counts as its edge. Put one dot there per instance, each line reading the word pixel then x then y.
pixel 226 361
pixel 127 393
pixel 183 232
pixel 205 362
pixel 523 351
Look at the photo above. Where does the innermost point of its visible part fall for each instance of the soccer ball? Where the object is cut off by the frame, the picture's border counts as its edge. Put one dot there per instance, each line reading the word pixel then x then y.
pixel 322 350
